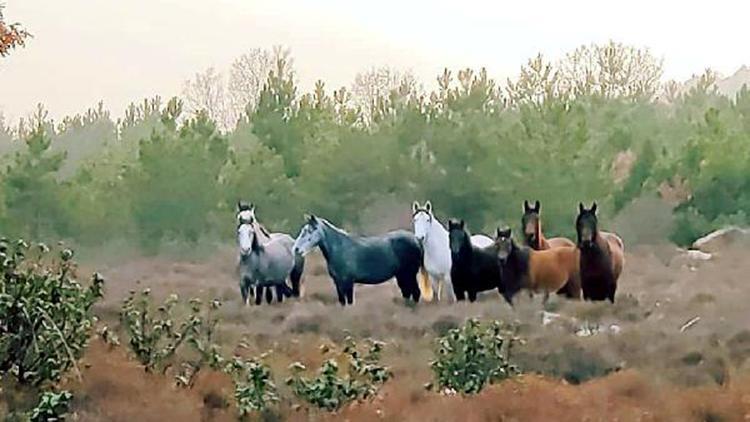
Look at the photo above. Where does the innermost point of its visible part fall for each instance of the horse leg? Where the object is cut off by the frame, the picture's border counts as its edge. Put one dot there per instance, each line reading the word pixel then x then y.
pixel 460 294
pixel 258 294
pixel 438 288
pixel 269 295
pixel 296 275
pixel 472 295
pixel 450 295
pixel 349 291
pixel 546 298
pixel 279 293
pixel 340 292
pixel 244 285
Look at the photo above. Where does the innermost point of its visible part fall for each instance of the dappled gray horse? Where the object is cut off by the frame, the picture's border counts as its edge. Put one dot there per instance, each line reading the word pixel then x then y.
pixel 365 260
pixel 266 259
pixel 264 266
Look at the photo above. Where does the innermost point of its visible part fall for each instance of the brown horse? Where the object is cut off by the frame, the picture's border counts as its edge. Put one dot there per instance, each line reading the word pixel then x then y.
pixel 531 222
pixel 544 271
pixel 602 256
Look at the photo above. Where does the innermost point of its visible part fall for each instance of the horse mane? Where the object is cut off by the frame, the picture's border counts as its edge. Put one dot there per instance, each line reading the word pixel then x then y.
pixel 262 228
pixel 538 232
pixel 467 249
pixel 331 226
pixel 255 245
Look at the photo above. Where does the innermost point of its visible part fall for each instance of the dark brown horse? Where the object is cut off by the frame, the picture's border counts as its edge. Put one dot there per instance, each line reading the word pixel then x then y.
pixel 602 256
pixel 532 229
pixel 544 271
pixel 531 223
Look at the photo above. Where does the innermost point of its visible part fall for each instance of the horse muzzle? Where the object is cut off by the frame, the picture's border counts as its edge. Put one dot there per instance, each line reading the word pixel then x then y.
pixel 586 244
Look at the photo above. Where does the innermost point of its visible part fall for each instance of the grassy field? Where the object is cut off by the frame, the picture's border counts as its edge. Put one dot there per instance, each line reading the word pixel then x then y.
pixel 584 361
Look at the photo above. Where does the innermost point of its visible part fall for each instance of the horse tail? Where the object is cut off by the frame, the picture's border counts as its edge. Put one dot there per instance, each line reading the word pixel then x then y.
pixel 296 275
pixel 425 286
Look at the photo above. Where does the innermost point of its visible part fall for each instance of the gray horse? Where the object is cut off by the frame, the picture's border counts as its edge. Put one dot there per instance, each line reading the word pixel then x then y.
pixel 266 259
pixel 365 260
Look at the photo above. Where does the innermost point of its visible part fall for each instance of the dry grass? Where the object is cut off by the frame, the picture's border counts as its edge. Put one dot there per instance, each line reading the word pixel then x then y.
pixel 700 374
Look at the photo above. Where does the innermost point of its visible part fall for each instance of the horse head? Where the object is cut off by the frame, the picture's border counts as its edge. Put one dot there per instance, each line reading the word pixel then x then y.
pixel 531 223
pixel 422 220
pixel 504 244
pixel 309 236
pixel 246 238
pixel 245 213
pixel 587 226
pixel 457 235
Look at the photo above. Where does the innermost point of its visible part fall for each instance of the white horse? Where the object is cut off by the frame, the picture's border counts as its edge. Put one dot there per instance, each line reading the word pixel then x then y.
pixel 437 253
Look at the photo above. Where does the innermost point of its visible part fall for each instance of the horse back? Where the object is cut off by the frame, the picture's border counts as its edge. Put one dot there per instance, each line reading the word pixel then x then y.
pixel 551 269
pixel 559 242
pixel 378 258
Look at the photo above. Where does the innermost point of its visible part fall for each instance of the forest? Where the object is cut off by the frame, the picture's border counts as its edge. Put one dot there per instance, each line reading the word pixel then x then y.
pixel 598 124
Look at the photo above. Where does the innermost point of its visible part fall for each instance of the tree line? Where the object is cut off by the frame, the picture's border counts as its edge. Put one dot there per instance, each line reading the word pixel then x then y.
pixel 597 124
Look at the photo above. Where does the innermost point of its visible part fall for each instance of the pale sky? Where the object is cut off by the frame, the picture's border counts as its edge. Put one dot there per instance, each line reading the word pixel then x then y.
pixel 120 51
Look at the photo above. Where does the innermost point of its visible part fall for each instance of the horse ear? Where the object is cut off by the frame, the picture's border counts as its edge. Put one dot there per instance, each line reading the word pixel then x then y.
pixel 251 207
pixel 526 206
pixel 498 233
pixel 461 223
pixel 593 207
pixel 428 206
pixel 581 208
pixel 415 207
pixel 239 205
pixel 537 206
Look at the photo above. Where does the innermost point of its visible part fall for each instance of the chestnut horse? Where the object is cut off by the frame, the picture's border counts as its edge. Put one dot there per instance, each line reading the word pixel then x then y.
pixel 602 256
pixel 544 271
pixel 531 223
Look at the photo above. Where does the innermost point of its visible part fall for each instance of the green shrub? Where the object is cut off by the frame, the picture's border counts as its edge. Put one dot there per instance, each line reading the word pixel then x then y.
pixel 45 313
pixel 53 406
pixel 330 390
pixel 474 355
pixel 156 335
pixel 254 388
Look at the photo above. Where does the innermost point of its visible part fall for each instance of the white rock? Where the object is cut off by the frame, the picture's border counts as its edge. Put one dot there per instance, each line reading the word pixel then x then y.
pixel 722 238
pixel 697 255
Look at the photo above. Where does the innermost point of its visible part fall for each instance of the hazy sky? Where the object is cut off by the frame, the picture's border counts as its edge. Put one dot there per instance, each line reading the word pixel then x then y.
pixel 84 51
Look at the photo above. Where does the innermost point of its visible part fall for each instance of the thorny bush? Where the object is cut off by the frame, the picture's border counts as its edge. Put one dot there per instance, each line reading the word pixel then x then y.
pixel 45 313
pixel 474 355
pixel 156 335
pixel 254 388
pixel 329 390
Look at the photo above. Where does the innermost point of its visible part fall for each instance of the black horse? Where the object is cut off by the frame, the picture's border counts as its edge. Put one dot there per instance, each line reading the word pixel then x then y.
pixel 474 269
pixel 364 260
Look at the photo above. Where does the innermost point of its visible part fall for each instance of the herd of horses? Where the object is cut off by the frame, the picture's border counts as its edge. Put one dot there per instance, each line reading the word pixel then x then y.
pixel 434 258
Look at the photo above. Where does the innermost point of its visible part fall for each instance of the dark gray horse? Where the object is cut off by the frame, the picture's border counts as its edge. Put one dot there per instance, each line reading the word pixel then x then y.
pixel 266 259
pixel 364 260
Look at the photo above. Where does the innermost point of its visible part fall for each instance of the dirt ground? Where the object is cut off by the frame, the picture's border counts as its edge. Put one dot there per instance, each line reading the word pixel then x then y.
pixel 583 361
